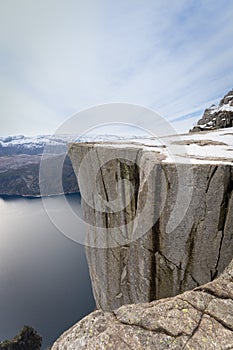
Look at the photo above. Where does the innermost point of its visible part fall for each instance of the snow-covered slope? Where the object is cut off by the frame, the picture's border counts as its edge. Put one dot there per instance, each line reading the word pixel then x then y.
pixel 21 144
pixel 33 145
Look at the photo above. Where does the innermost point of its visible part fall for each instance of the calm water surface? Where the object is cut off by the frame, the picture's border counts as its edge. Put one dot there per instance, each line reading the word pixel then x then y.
pixel 44 280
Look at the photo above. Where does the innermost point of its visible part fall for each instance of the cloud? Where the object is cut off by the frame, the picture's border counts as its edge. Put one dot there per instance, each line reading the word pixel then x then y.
pixel 59 57
pixel 24 114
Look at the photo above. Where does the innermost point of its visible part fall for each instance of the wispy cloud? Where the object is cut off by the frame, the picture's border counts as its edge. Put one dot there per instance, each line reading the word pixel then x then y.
pixel 59 57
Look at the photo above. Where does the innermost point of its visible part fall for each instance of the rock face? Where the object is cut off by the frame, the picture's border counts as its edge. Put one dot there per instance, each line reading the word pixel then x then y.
pixel 27 339
pixel 198 319
pixel 158 244
pixel 216 117
pixel 157 229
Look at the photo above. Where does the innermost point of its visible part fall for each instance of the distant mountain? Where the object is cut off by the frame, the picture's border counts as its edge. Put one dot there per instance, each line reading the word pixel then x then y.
pixel 20 158
pixel 19 176
pixel 53 144
pixel 19 144
pixel 216 117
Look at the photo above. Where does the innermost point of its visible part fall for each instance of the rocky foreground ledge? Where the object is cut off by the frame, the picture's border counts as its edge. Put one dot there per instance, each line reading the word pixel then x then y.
pixel 198 319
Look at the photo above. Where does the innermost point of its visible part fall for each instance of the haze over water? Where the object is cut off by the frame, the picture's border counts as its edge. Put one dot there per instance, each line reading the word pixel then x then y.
pixel 44 279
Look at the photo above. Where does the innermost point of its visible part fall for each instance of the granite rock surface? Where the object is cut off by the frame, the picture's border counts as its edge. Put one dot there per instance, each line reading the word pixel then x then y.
pixel 197 319
pixel 156 228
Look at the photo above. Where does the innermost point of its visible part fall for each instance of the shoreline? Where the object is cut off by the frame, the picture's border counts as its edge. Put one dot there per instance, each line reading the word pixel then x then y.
pixel 30 196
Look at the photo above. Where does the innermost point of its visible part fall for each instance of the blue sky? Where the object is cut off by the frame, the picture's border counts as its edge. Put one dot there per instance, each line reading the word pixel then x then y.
pixel 58 57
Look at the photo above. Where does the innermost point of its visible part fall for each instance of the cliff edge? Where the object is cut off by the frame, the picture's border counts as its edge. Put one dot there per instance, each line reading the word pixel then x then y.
pixel 159 217
pixel 157 224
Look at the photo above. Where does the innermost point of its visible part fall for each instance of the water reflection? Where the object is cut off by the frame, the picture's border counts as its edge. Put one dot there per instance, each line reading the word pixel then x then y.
pixel 44 280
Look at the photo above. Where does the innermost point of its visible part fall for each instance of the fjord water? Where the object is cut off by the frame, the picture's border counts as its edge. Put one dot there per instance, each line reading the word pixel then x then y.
pixel 44 279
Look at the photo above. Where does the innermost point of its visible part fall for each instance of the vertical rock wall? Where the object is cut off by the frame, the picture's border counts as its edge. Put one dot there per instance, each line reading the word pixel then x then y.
pixel 129 201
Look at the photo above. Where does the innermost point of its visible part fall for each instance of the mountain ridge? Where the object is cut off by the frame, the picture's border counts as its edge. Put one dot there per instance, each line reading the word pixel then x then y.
pixel 216 117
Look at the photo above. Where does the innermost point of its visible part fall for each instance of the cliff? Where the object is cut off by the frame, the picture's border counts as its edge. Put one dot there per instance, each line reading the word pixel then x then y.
pixel 175 232
pixel 159 223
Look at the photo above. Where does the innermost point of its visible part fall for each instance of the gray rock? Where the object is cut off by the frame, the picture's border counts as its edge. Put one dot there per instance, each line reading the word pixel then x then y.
pixel 157 246
pixel 198 319
pixel 216 117
pixel 154 258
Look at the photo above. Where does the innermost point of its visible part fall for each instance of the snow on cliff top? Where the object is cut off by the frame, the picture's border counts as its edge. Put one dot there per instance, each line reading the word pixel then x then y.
pixel 43 140
pixel 200 147
pixel 212 147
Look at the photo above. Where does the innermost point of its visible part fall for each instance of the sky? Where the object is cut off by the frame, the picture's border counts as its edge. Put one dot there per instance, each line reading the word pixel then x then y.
pixel 60 57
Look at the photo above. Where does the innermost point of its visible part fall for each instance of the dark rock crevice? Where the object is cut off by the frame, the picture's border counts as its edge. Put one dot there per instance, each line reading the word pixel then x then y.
pixel 224 212
pixel 210 177
pixel 190 247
